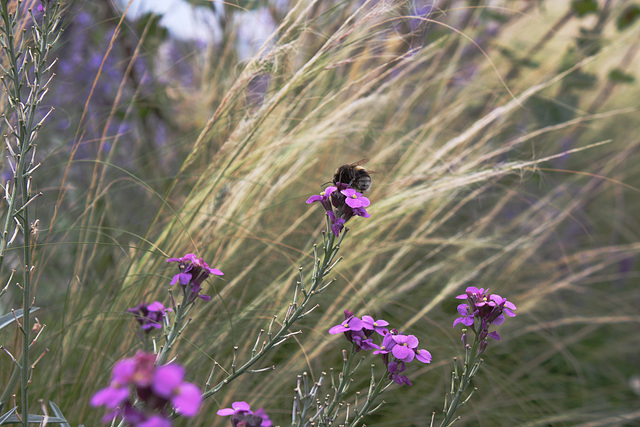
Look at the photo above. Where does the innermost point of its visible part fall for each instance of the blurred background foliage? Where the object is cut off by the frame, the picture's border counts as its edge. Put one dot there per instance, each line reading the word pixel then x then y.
pixel 504 137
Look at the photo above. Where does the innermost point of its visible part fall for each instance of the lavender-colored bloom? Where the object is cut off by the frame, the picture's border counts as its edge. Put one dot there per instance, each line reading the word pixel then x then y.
pixel 405 347
pixel 241 415
pixel 486 308
pixel 168 383
pixel 387 344
pixel 193 271
pixel 466 319
pixel 375 325
pixel 360 212
pixel 324 198
pixel 341 203
pixel 350 324
pixel 362 341
pixel 236 408
pixel 354 199
pixel 394 370
pixel 337 224
pixel 155 421
pixel 150 316
pixel 155 386
pixel 423 356
pixel 266 422
pixel 111 397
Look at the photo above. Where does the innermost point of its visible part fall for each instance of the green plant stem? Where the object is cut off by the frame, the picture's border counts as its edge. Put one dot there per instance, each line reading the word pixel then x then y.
pixel 24 131
pixel 470 360
pixel 371 397
pixel 14 94
pixel 182 311
pixel 345 376
pixel 26 300
pixel 321 269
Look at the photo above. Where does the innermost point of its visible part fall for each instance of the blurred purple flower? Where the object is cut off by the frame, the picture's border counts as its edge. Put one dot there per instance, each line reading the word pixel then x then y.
pixel 168 383
pixel 155 386
pixel 193 271
pixel 150 316
pixel 155 421
pixel 242 416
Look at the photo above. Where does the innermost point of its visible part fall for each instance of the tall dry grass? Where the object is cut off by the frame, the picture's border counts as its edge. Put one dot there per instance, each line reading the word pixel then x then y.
pixel 503 183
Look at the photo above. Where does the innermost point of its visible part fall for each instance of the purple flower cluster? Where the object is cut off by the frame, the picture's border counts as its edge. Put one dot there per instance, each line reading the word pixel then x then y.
pixel 193 271
pixel 341 204
pixel 155 387
pixel 483 310
pixel 150 316
pixel 396 349
pixel 242 416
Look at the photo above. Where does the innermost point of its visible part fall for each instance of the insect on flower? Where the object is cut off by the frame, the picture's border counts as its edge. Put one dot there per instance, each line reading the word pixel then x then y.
pixel 354 175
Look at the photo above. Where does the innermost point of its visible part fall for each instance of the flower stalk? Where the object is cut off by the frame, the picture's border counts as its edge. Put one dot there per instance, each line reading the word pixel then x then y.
pixel 321 268
pixel 459 383
pixel 26 67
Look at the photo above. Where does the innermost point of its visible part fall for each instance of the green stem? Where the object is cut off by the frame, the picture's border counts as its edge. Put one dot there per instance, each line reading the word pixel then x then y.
pixel 33 58
pixel 471 358
pixel 182 311
pixel 370 399
pixel 345 375
pixel 321 269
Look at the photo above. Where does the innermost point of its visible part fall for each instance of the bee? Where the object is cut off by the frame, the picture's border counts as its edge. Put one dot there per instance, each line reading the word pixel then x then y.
pixel 354 175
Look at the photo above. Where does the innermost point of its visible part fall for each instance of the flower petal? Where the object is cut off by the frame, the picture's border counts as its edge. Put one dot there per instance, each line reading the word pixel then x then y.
pixel 188 399
pixel 167 379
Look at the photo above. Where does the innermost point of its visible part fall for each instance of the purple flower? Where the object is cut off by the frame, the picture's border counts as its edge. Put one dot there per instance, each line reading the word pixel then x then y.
pixel 350 324
pixel 486 309
pixel 405 347
pixel 354 199
pixel 150 316
pixel 193 271
pixel 236 408
pixel 363 342
pixel 387 344
pixel 337 224
pixel 324 198
pixel 341 203
pixel 266 422
pixel 375 325
pixel 242 416
pixel 466 319
pixel 394 370
pixel 155 421
pixel 423 356
pixel 155 386
pixel 168 383
pixel 395 350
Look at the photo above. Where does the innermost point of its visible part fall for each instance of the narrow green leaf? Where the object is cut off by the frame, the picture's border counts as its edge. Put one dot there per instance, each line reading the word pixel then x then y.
pixel 6 416
pixel 56 410
pixel 33 419
pixel 628 16
pixel 619 76
pixel 584 7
